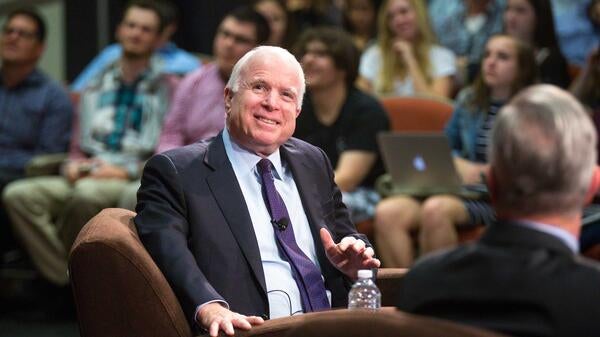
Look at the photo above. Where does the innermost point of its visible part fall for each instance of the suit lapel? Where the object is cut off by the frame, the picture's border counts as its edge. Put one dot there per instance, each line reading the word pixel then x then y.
pixel 304 177
pixel 305 182
pixel 228 194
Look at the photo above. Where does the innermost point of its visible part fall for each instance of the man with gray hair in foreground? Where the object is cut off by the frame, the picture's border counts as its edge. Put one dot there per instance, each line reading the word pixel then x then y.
pixel 243 225
pixel 524 277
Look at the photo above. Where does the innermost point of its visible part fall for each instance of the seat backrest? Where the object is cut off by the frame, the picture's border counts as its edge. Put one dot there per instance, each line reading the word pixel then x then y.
pixel 118 289
pixel 390 323
pixel 417 113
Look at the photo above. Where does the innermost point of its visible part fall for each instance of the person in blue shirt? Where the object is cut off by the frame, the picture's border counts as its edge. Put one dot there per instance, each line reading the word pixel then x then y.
pixel 35 111
pixel 174 60
pixel 575 33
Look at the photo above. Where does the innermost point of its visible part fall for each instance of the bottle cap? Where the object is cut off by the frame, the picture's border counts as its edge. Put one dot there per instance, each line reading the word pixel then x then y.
pixel 365 273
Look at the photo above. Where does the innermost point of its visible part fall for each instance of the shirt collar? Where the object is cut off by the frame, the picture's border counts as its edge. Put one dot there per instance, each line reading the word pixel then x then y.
pixel 559 233
pixel 246 160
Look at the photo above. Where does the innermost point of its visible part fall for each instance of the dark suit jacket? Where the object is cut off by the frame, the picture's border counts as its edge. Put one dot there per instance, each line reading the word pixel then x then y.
pixel 515 280
pixel 192 218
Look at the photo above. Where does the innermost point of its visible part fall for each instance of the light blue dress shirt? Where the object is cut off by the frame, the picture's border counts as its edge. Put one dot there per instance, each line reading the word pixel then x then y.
pixel 282 291
pixel 559 233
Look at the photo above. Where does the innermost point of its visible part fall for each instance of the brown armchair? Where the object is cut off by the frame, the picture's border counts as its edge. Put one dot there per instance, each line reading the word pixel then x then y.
pixel 119 290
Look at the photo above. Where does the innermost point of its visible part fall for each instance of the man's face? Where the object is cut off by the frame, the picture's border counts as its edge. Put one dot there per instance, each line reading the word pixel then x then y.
pixel 138 33
pixel 319 67
pixel 19 43
pixel 262 114
pixel 233 39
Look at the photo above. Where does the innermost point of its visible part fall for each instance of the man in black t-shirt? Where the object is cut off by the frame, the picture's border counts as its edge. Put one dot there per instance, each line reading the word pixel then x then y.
pixel 339 118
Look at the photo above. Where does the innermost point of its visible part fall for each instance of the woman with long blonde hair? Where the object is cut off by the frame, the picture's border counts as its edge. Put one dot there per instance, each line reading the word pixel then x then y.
pixel 406 60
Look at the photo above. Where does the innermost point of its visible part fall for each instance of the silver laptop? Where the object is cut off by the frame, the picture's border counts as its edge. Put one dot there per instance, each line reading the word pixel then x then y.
pixel 420 164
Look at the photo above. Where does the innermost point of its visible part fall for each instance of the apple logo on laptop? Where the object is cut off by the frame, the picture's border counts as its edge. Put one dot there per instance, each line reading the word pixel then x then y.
pixel 419 163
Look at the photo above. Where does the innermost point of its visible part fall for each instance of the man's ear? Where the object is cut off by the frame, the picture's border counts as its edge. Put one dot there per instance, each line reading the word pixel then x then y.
pixel 227 96
pixel 594 186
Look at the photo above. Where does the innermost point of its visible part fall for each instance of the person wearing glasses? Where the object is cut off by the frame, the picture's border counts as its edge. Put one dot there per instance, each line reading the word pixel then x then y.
pixel 198 111
pixel 35 111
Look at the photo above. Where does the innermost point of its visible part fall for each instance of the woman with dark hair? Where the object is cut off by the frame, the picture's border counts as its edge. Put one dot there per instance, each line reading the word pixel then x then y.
pixel 360 20
pixel 507 66
pixel 532 21
pixel 282 30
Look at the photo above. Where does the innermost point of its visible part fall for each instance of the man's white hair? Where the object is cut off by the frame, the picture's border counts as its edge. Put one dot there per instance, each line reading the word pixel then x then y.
pixel 542 153
pixel 266 51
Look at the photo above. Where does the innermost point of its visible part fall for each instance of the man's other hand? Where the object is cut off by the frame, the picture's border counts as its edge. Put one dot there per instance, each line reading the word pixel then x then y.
pixel 215 317
pixel 349 255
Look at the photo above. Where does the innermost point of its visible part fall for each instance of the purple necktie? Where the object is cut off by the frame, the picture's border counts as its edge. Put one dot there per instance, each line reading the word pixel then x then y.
pixel 305 272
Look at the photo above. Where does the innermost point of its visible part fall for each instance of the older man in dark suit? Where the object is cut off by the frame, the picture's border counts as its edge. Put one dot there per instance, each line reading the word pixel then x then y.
pixel 524 277
pixel 234 222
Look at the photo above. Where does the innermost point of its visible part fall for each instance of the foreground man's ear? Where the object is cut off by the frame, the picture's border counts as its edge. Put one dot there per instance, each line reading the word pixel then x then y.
pixel 594 186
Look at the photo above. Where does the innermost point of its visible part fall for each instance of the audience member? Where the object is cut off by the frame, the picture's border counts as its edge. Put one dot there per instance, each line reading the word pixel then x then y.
pixel 464 26
pixel 198 111
pixel 524 277
pixel 35 112
pixel 360 20
pixel 508 65
pixel 341 119
pixel 576 34
pixel 532 22
pixel 225 250
pixel 120 117
pixel 174 60
pixel 405 60
pixel 282 30
pixel 311 13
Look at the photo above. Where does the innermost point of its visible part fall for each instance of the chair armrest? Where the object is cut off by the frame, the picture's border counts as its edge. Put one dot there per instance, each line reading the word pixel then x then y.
pixel 45 164
pixel 278 327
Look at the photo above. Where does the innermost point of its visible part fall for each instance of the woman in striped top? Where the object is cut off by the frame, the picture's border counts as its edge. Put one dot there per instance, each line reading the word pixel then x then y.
pixel 508 65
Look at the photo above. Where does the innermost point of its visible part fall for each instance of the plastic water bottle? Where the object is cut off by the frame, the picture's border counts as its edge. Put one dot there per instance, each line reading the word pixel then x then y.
pixel 364 293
